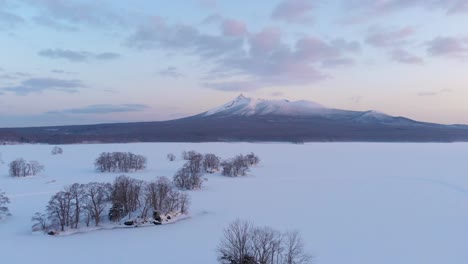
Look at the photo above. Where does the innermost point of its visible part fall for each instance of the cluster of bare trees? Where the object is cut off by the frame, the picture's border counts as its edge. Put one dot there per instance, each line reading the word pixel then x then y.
pixel 74 205
pixel 56 150
pixel 4 201
pixel 120 162
pixel 21 168
pixel 86 204
pixel 239 165
pixel 131 196
pixel 189 177
pixel 244 243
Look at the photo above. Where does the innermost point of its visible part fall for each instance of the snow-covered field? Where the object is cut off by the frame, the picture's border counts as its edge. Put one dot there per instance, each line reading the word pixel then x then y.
pixel 354 203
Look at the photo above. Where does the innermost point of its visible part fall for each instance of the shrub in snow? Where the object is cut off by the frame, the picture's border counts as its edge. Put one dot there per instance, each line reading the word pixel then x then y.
pixel 21 168
pixel 120 162
pixel 211 163
pixel 57 150
pixel 244 243
pixel 4 201
pixel 171 157
pixel 251 159
pixel 116 212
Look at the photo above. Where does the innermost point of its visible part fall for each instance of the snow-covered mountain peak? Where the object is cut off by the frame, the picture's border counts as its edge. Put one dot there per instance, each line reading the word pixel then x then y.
pixel 245 106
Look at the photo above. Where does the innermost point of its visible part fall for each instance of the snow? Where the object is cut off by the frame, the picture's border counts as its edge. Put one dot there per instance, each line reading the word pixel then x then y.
pixel 245 106
pixel 354 203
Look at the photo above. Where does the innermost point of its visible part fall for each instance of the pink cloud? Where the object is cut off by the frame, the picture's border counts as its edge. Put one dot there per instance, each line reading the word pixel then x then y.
pixel 266 40
pixel 234 28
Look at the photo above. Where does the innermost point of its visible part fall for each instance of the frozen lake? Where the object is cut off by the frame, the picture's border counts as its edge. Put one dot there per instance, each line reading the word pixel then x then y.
pixel 354 203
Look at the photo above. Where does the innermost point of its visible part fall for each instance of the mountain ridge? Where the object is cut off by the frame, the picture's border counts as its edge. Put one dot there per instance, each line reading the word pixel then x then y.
pixel 247 119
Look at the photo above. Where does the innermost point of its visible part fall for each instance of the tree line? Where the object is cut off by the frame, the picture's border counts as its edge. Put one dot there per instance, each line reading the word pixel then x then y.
pixel 87 204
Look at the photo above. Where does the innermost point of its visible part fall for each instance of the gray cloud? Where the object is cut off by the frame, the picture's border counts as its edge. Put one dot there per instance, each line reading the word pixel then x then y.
pixel 403 56
pixel 394 42
pixel 54 24
pixel 9 20
pixel 62 72
pixel 39 85
pixel 71 13
pixel 103 109
pixel 448 46
pixel 277 94
pixel 294 11
pixel 77 56
pixel 434 93
pixel 364 10
pixel 208 3
pixel 390 38
pixel 13 75
pixel 171 71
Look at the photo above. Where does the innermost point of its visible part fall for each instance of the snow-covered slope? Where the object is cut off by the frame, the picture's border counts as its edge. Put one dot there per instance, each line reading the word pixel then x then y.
pixel 245 106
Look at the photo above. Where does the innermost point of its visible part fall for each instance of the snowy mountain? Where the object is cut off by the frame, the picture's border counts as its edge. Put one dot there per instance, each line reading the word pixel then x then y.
pixel 244 106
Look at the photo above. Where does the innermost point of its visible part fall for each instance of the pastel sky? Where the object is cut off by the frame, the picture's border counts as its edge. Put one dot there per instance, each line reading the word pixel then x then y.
pixel 93 61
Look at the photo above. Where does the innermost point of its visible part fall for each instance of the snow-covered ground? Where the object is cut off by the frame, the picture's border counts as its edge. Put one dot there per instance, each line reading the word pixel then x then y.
pixel 354 203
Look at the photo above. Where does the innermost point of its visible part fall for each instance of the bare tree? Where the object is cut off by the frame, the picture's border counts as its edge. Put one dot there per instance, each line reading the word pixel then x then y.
pixel 184 203
pixel 266 245
pixel 211 163
pixel 227 168
pixel 17 167
pixel 40 222
pixel 4 201
pixel 56 150
pixel 294 252
pixel 235 246
pixel 35 167
pixel 126 192
pixel 162 197
pixel 171 157
pixel 59 209
pixel 188 178
pixel 76 192
pixel 97 197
